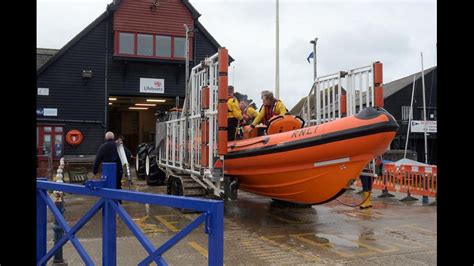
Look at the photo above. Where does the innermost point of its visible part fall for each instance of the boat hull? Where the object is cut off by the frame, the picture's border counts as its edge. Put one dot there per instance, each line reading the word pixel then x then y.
pixel 310 165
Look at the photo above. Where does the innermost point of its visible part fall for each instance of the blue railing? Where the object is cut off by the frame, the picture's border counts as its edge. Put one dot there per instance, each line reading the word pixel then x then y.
pixel 212 215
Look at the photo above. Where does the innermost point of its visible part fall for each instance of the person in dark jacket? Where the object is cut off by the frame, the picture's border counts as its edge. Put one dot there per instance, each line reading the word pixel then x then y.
pixel 107 153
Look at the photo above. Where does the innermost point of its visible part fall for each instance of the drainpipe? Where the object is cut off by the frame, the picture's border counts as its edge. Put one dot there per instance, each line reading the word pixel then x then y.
pixel 106 70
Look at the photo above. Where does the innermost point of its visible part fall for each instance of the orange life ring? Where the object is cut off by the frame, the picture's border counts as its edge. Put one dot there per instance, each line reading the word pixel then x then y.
pixel 74 137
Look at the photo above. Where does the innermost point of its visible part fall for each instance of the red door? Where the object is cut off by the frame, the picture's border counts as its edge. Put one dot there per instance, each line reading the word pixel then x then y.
pixel 50 140
pixel 50 148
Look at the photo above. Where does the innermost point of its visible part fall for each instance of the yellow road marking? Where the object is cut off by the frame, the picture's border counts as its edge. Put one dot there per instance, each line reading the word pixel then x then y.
pixel 328 246
pixel 418 228
pixel 352 214
pixel 250 242
pixel 191 217
pixel 311 257
pixel 403 245
pixel 202 250
pixel 359 242
pixel 169 225
pixel 418 245
pixel 179 214
pixel 369 213
pixel 261 253
pixel 390 249
pixel 275 236
pixel 146 227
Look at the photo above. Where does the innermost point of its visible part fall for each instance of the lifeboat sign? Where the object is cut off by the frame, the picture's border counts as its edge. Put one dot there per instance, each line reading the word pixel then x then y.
pixel 148 85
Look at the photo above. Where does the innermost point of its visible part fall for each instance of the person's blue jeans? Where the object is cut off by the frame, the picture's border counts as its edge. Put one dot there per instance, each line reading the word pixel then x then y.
pixel 366 183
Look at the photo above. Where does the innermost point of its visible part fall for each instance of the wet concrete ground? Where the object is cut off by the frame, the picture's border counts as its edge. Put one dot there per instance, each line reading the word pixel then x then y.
pixel 259 232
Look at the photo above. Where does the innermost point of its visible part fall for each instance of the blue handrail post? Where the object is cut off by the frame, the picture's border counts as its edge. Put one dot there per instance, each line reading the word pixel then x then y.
pixel 109 229
pixel 58 234
pixel 40 225
pixel 216 235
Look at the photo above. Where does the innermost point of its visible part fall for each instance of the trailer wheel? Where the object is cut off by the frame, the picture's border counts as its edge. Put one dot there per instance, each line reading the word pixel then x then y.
pixel 231 187
pixel 174 187
pixel 142 152
pixel 154 175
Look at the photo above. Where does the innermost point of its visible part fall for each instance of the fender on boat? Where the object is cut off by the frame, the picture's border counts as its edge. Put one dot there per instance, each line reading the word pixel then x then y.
pixel 290 140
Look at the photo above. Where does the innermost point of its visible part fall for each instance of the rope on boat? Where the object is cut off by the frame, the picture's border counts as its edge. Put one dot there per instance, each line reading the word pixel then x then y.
pixel 264 140
pixel 345 204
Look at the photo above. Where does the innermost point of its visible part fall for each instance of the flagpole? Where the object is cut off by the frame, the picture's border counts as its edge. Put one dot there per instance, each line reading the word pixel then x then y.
pixel 277 70
pixel 410 114
pixel 424 108
pixel 314 57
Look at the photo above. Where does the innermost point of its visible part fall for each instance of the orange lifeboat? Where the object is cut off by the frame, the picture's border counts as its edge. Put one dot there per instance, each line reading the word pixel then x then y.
pixel 310 165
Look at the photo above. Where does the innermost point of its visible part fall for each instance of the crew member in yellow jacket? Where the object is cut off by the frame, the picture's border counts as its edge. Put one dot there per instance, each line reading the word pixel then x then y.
pixel 234 115
pixel 248 112
pixel 270 108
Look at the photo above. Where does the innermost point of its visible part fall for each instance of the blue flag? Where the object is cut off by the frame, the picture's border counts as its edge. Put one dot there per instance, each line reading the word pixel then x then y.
pixel 311 55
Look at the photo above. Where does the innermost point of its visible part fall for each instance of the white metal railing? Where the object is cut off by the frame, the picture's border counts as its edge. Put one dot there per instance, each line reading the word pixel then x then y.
pixel 175 151
pixel 323 103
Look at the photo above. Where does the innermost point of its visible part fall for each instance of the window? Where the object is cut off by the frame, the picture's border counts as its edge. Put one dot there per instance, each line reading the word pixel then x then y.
pixel 179 47
pixel 150 45
pixel 126 43
pixel 58 146
pixel 163 46
pixel 406 113
pixel 145 44
pixel 430 113
pixel 47 144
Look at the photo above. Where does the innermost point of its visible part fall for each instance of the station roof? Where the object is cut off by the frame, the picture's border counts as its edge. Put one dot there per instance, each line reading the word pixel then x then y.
pixel 45 61
pixel 43 55
pixel 396 85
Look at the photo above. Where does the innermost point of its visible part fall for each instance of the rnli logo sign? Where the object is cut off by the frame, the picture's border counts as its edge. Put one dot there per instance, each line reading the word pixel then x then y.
pixel 46 112
pixel 148 85
pixel 303 132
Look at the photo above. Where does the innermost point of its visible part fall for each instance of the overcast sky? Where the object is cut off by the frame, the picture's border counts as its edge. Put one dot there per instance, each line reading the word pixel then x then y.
pixel 351 34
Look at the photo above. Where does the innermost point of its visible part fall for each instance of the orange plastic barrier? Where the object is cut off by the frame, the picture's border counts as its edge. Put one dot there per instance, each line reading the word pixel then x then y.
pixel 387 180
pixel 419 180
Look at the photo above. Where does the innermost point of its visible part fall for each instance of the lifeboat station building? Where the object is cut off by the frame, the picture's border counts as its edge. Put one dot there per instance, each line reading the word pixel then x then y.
pixel 117 74
pixel 397 101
